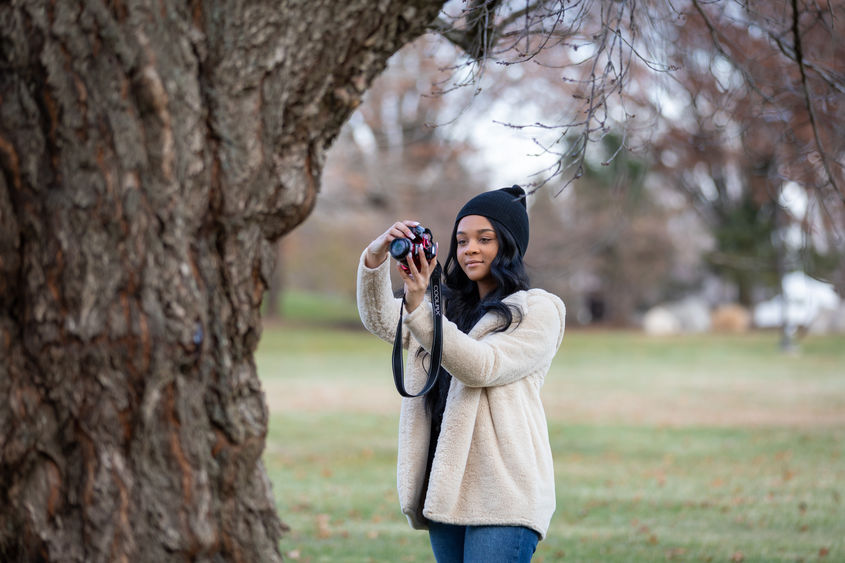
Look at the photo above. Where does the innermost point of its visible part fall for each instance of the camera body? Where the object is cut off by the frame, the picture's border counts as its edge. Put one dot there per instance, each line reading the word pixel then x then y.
pixel 400 248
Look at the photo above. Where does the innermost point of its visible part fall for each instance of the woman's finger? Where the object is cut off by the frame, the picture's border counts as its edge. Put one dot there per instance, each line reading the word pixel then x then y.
pixel 402 229
pixel 412 266
pixel 425 267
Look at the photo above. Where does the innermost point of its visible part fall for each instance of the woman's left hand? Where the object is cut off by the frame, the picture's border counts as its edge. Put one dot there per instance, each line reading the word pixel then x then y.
pixel 416 281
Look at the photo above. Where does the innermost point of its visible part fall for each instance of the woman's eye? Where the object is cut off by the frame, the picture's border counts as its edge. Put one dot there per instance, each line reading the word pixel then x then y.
pixel 461 242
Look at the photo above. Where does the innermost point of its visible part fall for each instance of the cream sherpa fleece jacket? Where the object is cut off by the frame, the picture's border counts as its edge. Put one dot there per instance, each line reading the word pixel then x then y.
pixel 493 463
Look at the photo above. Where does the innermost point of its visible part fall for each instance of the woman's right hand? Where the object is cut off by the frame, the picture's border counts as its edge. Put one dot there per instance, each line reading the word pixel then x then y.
pixel 377 251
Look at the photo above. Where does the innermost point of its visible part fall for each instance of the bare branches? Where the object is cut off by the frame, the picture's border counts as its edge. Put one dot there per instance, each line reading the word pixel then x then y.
pixel 796 34
pixel 594 41
pixel 785 90
pixel 718 43
pixel 479 32
pixel 609 55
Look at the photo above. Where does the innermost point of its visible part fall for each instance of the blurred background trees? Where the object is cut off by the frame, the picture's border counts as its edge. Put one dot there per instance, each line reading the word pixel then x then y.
pixel 674 150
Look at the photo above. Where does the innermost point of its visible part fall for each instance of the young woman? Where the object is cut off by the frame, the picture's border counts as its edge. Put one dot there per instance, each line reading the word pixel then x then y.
pixel 475 466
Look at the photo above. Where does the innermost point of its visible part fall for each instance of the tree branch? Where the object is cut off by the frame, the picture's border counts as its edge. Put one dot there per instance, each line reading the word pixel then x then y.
pixel 519 14
pixel 799 57
pixel 479 35
pixel 717 42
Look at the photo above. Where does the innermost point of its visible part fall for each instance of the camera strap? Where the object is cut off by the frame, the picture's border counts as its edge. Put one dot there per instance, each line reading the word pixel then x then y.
pixel 436 295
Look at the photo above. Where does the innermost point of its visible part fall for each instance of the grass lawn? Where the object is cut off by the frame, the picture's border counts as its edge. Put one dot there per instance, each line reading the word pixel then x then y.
pixel 694 448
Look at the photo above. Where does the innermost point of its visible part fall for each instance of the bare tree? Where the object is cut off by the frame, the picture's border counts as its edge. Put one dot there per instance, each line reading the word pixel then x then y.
pixel 731 99
pixel 748 132
pixel 150 151
pixel 619 57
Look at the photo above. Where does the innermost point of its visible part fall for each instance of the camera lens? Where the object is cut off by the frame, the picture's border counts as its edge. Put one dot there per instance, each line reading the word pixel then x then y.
pixel 399 248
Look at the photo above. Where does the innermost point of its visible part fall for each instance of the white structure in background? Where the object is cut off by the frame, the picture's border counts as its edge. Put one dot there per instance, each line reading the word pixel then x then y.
pixel 659 320
pixel 809 303
pixel 689 315
pixel 829 321
pixel 803 301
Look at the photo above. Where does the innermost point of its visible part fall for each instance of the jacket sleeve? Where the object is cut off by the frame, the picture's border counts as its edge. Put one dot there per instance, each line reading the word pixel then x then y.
pixel 377 307
pixel 498 358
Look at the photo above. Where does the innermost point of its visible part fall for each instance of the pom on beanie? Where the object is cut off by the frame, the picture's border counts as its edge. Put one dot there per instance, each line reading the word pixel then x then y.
pixel 507 206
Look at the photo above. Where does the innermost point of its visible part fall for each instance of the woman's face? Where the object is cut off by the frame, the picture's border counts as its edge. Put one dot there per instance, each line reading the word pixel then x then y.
pixel 477 247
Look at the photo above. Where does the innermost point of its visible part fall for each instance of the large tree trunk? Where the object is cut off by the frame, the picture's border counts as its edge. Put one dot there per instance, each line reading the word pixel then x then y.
pixel 150 152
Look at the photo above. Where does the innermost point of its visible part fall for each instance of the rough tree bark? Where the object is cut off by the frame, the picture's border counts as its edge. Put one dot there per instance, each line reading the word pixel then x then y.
pixel 150 152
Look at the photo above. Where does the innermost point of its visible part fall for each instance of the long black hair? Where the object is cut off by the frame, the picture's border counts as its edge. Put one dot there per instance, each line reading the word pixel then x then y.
pixel 464 306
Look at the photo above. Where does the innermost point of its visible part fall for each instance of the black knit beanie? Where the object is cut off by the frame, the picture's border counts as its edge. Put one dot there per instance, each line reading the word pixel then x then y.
pixel 507 206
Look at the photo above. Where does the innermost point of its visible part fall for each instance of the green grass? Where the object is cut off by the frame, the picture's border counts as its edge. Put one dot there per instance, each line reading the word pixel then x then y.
pixel 317 309
pixel 699 448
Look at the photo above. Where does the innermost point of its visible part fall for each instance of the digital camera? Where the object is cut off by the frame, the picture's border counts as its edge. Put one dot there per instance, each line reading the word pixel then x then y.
pixel 400 248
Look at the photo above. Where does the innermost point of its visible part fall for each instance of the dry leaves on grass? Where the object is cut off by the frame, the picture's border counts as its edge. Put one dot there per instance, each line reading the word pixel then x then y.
pixel 675 553
pixel 643 529
pixel 322 524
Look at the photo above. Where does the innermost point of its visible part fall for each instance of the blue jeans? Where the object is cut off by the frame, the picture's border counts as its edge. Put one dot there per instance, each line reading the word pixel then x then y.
pixel 482 544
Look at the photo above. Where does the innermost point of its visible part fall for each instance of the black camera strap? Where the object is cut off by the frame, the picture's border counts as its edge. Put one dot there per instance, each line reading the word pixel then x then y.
pixel 436 345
